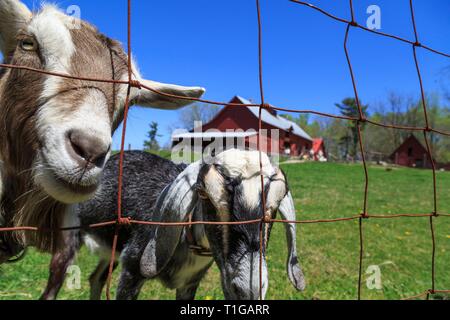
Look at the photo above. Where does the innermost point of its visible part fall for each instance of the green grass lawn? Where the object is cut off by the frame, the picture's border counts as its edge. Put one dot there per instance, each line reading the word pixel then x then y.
pixel 329 252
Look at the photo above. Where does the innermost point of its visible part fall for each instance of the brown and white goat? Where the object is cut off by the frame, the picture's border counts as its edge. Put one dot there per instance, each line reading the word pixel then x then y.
pixel 56 132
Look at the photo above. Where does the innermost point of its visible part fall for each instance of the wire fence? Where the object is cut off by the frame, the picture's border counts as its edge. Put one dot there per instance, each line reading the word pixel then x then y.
pixel 123 220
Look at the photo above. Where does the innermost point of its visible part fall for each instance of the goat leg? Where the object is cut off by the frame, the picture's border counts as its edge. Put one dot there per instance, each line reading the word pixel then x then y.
pixel 130 284
pixel 99 277
pixel 188 292
pixel 59 263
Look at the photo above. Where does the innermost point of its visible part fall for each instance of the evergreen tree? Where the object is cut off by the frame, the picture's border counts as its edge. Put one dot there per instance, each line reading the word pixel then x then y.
pixel 349 108
pixel 152 144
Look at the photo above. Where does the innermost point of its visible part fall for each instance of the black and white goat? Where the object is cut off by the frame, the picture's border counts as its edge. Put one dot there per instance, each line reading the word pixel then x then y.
pixel 56 132
pixel 155 189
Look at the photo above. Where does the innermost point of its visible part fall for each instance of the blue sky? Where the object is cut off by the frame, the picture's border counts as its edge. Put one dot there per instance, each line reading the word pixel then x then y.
pixel 213 43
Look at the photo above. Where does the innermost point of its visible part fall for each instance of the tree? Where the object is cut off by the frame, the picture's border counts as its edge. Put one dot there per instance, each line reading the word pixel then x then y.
pixel 152 144
pixel 331 131
pixel 349 108
pixel 344 143
pixel 198 112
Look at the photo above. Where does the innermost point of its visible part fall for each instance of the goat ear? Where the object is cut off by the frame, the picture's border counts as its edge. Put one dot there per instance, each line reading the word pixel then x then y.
pixel 294 270
pixel 13 17
pixel 147 98
pixel 173 205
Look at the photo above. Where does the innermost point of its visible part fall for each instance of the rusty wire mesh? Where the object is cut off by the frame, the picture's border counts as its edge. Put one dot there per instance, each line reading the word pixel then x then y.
pixel 363 215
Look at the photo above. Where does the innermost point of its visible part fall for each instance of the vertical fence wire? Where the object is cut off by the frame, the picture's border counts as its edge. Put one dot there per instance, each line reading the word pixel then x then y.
pixel 263 104
pixel 120 220
pixel 429 150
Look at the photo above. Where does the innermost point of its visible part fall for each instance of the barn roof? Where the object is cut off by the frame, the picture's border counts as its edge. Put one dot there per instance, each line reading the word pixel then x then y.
pixel 276 121
pixel 211 134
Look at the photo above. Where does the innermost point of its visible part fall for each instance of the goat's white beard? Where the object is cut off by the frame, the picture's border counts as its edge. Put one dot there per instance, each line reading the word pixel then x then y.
pixel 45 178
pixel 246 276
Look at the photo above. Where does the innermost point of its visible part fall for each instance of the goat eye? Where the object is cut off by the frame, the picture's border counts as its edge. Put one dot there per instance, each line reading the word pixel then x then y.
pixel 202 194
pixel 28 44
pixel 200 191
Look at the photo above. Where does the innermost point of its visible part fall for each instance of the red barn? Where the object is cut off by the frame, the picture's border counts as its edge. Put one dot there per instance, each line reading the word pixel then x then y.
pixel 279 135
pixel 411 153
pixel 319 152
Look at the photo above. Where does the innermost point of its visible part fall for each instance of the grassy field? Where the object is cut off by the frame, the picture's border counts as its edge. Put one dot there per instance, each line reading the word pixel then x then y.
pixel 329 252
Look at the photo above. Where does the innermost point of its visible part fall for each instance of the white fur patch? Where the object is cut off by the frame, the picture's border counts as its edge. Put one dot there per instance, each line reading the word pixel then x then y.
pixel 97 248
pixel 252 191
pixel 148 263
pixel 277 191
pixel 55 42
pixel 215 188
pixel 244 164
pixel 92 245
pixel 50 27
pixel 214 185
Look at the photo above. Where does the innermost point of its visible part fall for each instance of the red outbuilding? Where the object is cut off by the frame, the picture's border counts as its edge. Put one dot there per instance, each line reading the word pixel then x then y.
pixel 319 152
pixel 233 123
pixel 411 153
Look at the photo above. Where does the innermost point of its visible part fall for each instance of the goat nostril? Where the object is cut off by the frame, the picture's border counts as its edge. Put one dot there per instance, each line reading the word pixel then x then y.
pixel 100 161
pixel 78 150
pixel 87 151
